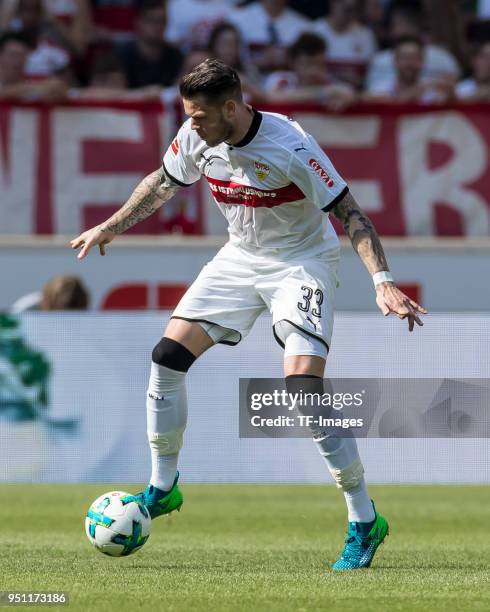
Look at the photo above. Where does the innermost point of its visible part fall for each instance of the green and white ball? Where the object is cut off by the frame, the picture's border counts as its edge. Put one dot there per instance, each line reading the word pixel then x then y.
pixel 117 524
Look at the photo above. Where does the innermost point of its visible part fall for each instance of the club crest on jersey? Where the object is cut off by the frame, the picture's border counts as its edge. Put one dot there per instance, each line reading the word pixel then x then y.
pixel 321 172
pixel 175 146
pixel 262 171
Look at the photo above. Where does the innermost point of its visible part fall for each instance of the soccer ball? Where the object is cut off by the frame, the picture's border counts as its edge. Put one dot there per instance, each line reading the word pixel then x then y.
pixel 117 524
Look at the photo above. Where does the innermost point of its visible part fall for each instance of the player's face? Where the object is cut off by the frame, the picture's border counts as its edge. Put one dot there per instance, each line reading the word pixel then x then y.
pixel 212 123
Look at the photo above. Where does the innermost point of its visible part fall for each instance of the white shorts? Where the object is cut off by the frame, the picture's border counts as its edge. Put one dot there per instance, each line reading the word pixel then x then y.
pixel 235 287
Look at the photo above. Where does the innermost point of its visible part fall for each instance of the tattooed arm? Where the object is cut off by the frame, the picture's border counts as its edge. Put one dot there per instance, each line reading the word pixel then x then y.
pixel 148 196
pixel 367 245
pixel 362 234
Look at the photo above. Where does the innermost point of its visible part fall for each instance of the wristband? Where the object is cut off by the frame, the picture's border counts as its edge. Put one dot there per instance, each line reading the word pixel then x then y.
pixel 382 277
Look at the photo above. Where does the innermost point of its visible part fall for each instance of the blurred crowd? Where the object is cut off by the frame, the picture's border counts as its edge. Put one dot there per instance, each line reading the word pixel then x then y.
pixel 333 52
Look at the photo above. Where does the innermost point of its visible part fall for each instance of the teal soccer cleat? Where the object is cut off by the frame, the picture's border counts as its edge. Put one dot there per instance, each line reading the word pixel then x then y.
pixel 361 543
pixel 161 502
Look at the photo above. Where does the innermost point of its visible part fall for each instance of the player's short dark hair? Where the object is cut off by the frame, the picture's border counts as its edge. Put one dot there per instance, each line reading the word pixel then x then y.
pixel 214 80
pixel 18 37
pixel 308 44
pixel 412 40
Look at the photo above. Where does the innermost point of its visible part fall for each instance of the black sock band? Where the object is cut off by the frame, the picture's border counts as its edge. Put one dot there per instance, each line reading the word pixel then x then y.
pixel 308 383
pixel 313 387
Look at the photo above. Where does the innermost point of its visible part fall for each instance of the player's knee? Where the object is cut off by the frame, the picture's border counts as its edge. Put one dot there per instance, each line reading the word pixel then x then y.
pixel 168 443
pixel 173 355
pixel 349 477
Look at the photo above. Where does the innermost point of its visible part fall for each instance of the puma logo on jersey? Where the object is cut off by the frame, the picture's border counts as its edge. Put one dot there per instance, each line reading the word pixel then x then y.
pixel 321 172
pixel 300 149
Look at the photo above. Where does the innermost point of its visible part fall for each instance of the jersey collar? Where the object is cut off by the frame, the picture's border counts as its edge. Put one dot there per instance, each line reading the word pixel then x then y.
pixel 252 131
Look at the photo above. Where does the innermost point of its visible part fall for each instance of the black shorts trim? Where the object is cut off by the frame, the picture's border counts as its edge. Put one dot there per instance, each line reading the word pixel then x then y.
pixel 302 329
pixel 227 342
pixel 173 179
pixel 336 200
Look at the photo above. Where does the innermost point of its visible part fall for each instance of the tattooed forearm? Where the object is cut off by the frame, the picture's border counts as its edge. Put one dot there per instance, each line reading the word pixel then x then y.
pixel 362 234
pixel 148 196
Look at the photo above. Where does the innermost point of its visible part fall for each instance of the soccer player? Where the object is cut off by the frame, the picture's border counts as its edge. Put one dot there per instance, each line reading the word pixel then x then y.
pixel 276 187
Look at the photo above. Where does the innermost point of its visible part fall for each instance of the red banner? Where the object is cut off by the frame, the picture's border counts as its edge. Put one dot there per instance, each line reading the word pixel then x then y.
pixel 416 170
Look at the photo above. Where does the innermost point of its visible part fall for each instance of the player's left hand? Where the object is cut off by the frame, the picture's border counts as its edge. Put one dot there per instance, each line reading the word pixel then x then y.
pixel 391 300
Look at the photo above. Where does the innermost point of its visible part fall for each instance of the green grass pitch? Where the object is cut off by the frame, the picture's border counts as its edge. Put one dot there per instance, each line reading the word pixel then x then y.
pixel 251 547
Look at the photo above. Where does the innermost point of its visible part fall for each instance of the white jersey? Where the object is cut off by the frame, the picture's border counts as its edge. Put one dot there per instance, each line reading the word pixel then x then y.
pixel 274 187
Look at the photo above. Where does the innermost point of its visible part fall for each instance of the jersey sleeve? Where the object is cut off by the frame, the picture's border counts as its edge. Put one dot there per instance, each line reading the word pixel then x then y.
pixel 313 172
pixel 178 162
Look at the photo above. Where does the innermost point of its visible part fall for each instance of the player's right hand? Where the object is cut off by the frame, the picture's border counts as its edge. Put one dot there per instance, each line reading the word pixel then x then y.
pixel 90 238
pixel 391 300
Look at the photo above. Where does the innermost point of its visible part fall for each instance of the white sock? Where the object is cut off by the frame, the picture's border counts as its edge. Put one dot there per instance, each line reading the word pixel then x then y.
pixel 166 411
pixel 359 506
pixel 341 453
pixel 163 470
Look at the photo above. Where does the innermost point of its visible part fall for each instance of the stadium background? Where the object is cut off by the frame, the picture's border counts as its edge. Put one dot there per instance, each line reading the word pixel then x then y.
pixel 68 160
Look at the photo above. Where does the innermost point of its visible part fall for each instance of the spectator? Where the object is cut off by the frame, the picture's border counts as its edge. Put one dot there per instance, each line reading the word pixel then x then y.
pixel 268 27
pixel 107 79
pixel 350 44
pixel 477 88
pixel 74 19
pixel 108 82
pixel 191 21
pixel 448 32
pixel 308 79
pixel 191 60
pixel 310 8
pixel 15 48
pixel 108 72
pixel 7 8
pixel 374 17
pixel 60 293
pixel 65 293
pixel 483 9
pixel 308 66
pixel 407 21
pixel 114 20
pixel 49 55
pixel 149 59
pixel 408 85
pixel 225 44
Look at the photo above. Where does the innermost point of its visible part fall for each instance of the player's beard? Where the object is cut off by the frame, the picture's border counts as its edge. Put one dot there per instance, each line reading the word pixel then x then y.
pixel 225 134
